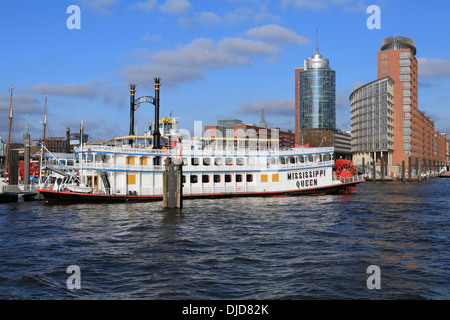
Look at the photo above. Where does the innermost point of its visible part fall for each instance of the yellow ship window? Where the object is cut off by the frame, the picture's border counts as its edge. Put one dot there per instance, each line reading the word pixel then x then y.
pixel 143 161
pixel 275 177
pixel 130 160
pixel 131 179
pixel 264 178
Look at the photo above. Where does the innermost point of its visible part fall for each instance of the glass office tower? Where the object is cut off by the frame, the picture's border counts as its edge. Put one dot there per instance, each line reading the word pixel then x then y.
pixel 316 94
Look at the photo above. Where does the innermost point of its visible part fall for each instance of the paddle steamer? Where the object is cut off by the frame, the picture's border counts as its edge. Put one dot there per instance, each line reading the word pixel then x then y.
pixel 211 168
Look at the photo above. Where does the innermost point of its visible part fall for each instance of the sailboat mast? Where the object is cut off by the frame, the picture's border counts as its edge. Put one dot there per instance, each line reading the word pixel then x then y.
pixel 45 119
pixel 9 132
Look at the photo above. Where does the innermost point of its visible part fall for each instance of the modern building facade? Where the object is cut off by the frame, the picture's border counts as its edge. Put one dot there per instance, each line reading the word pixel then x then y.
pixel 315 97
pixel 372 120
pixel 386 120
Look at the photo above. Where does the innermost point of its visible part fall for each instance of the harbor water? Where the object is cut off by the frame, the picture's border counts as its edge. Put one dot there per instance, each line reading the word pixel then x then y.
pixel 287 248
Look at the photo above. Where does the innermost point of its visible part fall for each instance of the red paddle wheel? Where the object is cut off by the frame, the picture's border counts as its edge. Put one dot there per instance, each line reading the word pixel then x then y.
pixel 344 170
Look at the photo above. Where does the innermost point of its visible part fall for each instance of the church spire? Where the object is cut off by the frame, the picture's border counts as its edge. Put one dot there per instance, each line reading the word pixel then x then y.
pixel 263 123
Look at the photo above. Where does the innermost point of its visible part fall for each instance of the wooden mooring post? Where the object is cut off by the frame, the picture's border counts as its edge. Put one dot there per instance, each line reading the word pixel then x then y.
pixel 409 169
pixel 403 170
pixel 172 185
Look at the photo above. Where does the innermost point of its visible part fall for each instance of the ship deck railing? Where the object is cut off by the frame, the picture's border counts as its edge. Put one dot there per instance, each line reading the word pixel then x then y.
pixel 201 168
pixel 192 152
pixel 353 178
pixel 19 189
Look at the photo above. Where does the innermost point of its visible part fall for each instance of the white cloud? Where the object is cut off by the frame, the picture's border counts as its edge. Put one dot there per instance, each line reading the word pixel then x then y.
pixel 434 68
pixel 305 4
pixel 284 107
pixel 176 7
pixel 348 5
pixel 88 89
pixel 189 62
pixel 148 5
pixel 151 38
pixel 277 34
pixel 205 18
pixel 256 13
pixel 102 6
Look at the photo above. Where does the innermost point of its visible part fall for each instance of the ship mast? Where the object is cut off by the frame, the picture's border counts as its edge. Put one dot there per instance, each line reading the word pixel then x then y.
pixel 45 119
pixel 9 132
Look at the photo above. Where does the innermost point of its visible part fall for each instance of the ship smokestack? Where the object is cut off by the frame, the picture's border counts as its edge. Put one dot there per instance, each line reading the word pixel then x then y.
pixel 156 133
pixel 68 140
pixel 132 99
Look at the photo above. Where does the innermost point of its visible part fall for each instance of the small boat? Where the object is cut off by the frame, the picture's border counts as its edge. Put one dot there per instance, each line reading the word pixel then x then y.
pixel 445 174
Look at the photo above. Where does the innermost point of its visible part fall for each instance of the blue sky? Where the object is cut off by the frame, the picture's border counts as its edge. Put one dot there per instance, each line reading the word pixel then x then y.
pixel 217 59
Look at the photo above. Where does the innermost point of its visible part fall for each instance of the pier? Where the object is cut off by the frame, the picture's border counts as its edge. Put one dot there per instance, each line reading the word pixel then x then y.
pixel 11 193
pixel 414 170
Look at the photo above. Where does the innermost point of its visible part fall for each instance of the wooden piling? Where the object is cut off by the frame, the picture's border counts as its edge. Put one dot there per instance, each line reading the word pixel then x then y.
pixel 172 185
pixel 409 169
pixel 403 170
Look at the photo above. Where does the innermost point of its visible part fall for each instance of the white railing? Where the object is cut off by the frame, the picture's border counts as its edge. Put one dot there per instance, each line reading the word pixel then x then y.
pixel 354 178
pixel 199 168
pixel 18 188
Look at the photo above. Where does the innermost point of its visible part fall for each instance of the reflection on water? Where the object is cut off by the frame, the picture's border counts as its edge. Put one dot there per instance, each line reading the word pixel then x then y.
pixel 255 248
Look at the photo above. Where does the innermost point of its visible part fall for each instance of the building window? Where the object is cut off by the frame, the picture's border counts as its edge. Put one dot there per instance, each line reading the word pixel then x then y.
pixel 407 131
pixel 406 93
pixel 407 124
pixel 407 139
pixel 405 63
pixel 407 85
pixel 407 116
pixel 407 153
pixel 405 55
pixel 407 108
pixel 405 78
pixel 406 100
pixel 405 70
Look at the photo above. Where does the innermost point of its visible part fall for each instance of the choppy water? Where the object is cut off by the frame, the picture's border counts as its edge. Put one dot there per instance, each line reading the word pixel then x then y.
pixel 259 248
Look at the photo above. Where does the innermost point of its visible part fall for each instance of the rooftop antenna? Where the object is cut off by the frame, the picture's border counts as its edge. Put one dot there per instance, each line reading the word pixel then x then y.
pixel 317 41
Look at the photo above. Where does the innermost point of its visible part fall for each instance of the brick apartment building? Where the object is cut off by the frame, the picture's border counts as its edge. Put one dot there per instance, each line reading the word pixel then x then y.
pixel 386 120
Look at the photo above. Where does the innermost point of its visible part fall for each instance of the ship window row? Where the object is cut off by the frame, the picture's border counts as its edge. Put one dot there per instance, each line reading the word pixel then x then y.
pixel 217 178
pixel 218 161
pixel 57 162
pixel 252 161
